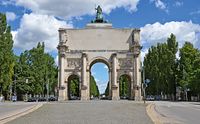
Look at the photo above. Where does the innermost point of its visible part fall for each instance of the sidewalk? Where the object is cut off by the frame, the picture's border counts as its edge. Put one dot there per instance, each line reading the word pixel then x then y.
pixel 13 110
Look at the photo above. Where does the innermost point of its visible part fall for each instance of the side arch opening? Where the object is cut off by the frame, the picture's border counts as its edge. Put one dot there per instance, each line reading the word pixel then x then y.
pixel 73 87
pixel 125 86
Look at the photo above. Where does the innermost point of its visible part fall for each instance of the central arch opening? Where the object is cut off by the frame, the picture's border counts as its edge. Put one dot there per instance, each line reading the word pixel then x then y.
pixel 99 80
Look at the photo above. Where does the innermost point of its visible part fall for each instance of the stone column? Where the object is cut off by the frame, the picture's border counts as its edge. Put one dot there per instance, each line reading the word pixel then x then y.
pixel 132 91
pixel 114 70
pixel 115 87
pixel 84 86
pixel 136 72
pixel 62 85
pixel 110 85
pixel 135 84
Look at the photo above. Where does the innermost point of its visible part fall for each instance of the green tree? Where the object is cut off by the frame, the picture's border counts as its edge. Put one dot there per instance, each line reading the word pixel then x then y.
pixel 123 86
pixel 107 90
pixel 189 67
pixel 187 56
pixel 94 91
pixel 74 86
pixel 6 56
pixel 194 82
pixel 40 70
pixel 160 67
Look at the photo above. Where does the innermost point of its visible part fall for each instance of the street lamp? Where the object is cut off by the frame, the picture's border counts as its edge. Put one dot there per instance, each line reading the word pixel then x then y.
pixel 145 84
pixel 26 91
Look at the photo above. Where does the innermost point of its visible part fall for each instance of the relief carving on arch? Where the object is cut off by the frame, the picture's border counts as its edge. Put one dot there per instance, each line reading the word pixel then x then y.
pixel 63 36
pixel 74 63
pixel 125 63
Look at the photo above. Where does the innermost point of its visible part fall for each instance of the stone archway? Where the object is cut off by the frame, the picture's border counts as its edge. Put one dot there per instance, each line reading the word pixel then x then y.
pixel 118 48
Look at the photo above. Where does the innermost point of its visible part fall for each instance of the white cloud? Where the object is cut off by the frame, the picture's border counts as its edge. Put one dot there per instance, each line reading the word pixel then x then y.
pixel 97 80
pixel 36 28
pixel 143 53
pixel 56 60
pixel 178 3
pixel 74 8
pixel 151 34
pixel 7 2
pixel 102 86
pixel 195 12
pixel 106 67
pixel 159 4
pixel 11 16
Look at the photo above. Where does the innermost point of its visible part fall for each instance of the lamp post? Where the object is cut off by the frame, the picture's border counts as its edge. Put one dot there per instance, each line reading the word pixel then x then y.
pixel 145 84
pixel 26 91
pixel 47 87
pixel 144 87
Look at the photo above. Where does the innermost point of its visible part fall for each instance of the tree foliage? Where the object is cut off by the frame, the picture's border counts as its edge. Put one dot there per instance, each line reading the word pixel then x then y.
pixel 124 86
pixel 94 91
pixel 6 56
pixel 74 86
pixel 39 69
pixel 160 67
pixel 167 72
pixel 107 90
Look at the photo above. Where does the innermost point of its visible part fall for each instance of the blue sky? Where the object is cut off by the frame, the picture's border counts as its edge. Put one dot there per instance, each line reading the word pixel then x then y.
pixel 34 21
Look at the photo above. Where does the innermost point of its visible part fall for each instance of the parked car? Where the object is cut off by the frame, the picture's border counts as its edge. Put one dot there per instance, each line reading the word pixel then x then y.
pixel 32 99
pixel 52 98
pixel 123 97
pixel 42 99
pixel 150 98
pixel 14 98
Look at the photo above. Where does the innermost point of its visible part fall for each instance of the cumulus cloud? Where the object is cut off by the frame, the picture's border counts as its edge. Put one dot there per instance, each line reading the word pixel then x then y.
pixel 36 28
pixel 106 67
pixel 56 60
pixel 178 3
pixel 74 8
pixel 97 80
pixel 159 4
pixel 102 86
pixel 7 2
pixel 11 16
pixel 151 34
pixel 195 12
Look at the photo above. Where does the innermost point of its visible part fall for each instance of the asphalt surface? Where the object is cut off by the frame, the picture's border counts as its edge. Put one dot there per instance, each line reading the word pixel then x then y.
pixel 90 112
pixel 7 108
pixel 181 112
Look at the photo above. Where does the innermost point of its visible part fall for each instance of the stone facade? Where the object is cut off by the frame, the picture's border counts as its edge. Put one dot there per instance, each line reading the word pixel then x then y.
pixel 119 49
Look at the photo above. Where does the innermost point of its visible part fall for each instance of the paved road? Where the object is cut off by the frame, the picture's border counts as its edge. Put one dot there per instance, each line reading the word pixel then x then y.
pixel 10 110
pixel 10 107
pixel 91 112
pixel 182 112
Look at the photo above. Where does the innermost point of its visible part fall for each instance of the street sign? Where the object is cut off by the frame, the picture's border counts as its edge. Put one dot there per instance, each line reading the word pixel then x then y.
pixel 147 81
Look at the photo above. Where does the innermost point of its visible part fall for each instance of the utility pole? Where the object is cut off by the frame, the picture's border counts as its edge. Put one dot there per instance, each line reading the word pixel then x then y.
pixel 144 86
pixel 47 86
pixel 26 91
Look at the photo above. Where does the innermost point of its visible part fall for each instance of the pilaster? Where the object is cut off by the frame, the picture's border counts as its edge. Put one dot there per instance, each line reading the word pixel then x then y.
pixel 62 85
pixel 115 87
pixel 84 86
pixel 136 64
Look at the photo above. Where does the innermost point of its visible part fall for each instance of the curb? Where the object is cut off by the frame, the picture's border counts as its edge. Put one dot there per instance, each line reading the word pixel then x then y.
pixel 152 114
pixel 157 117
pixel 18 113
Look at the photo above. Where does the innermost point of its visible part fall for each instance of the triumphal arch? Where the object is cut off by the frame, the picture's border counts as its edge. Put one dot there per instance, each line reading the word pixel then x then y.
pixel 119 49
